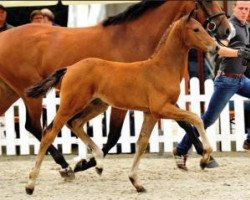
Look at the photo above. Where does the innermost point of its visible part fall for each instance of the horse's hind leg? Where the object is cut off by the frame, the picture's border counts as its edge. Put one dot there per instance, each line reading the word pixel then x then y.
pixel 33 125
pixel 147 127
pixel 116 121
pixel 172 112
pixel 76 125
pixel 7 97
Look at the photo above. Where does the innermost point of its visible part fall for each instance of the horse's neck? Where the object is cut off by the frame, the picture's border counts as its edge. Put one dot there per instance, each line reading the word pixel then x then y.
pixel 155 22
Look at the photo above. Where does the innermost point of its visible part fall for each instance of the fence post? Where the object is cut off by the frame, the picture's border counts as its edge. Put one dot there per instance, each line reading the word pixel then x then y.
pixel 240 135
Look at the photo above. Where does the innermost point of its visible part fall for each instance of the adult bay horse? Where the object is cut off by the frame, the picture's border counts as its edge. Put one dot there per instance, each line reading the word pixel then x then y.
pixel 31 52
pixel 152 86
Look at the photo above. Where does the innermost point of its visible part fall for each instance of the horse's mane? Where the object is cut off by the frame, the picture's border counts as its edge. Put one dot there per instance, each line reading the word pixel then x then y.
pixel 133 12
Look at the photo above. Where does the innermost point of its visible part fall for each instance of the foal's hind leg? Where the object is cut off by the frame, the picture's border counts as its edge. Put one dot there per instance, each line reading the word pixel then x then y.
pixel 70 105
pixel 76 125
pixel 142 142
pixel 33 124
pixel 48 137
pixel 116 122
pixel 170 111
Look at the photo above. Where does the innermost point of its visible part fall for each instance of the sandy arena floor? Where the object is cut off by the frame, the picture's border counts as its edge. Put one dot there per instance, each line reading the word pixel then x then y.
pixel 230 181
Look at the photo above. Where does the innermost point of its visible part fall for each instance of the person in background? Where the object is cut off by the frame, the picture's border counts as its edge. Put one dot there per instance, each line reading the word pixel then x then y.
pixel 36 16
pixel 3 15
pixel 49 17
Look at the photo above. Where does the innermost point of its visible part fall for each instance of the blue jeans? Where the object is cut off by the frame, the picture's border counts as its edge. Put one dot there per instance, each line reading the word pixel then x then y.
pixel 224 89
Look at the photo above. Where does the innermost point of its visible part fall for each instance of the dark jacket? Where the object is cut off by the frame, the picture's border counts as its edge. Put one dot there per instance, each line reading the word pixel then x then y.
pixel 235 65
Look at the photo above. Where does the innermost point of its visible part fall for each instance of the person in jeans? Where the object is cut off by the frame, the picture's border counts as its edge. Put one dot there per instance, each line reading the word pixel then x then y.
pixel 230 80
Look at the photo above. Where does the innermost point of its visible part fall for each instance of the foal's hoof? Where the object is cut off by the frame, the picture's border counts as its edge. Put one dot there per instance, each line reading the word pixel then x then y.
pixel 29 190
pixel 99 171
pixel 212 163
pixel 206 158
pixel 203 165
pixel 83 165
pixel 67 173
pixel 140 189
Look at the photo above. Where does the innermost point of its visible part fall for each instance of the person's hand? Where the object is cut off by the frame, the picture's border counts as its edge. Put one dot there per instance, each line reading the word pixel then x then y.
pixel 244 53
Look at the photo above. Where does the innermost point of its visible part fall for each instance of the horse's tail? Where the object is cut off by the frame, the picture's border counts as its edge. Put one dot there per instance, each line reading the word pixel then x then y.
pixel 43 86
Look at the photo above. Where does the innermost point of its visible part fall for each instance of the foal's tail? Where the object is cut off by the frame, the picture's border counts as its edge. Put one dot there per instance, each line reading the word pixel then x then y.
pixel 43 86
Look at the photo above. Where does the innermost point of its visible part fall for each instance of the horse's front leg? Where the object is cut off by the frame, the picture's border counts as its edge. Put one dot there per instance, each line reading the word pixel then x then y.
pixel 48 137
pixel 146 130
pixel 170 111
pixel 192 135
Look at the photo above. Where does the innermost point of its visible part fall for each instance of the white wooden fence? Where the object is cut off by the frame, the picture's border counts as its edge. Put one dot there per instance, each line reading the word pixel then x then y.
pixel 223 135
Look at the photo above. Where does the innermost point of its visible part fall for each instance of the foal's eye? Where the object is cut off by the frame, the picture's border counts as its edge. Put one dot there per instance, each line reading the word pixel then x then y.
pixel 196 30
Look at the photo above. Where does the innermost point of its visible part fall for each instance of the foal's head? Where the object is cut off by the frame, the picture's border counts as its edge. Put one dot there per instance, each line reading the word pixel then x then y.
pixel 195 36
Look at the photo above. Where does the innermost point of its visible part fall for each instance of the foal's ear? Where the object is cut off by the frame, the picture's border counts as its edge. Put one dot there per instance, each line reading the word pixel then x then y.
pixel 191 14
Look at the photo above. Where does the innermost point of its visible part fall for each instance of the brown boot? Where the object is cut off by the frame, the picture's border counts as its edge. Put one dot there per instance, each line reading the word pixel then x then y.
pixel 180 160
pixel 246 145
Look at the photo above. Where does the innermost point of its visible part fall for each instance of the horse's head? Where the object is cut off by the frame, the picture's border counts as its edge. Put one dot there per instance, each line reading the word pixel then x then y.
pixel 195 36
pixel 209 14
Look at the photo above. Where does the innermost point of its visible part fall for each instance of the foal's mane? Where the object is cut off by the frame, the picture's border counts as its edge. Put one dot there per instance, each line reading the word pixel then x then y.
pixel 165 35
pixel 133 12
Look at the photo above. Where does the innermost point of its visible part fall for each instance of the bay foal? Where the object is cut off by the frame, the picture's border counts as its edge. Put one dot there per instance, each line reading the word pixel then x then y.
pixel 152 86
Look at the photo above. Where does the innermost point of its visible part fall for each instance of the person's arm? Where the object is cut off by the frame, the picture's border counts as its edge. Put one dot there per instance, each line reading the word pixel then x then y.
pixel 228 52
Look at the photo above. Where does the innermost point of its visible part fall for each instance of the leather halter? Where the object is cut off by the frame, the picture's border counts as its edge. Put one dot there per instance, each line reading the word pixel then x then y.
pixel 210 26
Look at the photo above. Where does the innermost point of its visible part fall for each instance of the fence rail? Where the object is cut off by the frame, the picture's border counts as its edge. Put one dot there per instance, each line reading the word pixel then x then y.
pixel 223 135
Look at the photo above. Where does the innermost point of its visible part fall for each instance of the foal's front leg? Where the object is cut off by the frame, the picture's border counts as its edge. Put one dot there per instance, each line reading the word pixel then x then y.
pixel 142 142
pixel 48 137
pixel 170 111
